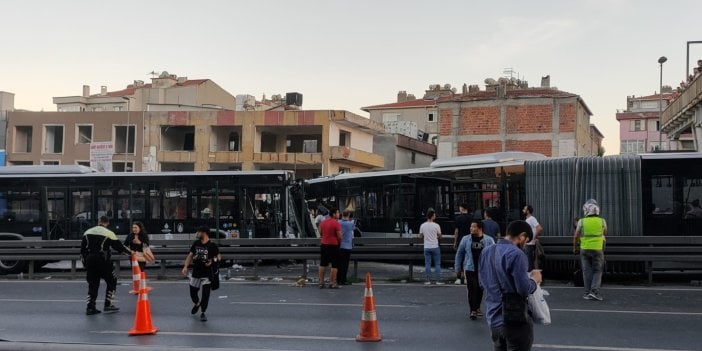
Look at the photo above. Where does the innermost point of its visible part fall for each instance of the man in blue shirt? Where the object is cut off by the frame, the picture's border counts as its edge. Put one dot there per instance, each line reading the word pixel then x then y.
pixel 504 270
pixel 347 227
pixel 490 227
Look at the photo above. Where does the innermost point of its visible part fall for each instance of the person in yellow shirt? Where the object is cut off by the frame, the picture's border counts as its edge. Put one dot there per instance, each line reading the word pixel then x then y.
pixel 588 241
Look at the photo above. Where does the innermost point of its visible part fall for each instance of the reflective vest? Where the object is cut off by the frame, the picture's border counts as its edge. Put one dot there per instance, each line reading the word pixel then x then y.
pixel 592 234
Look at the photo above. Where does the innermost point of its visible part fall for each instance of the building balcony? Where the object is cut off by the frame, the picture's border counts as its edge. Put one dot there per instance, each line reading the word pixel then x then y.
pixel 224 157
pixel 294 158
pixel 679 116
pixel 176 156
pixel 348 154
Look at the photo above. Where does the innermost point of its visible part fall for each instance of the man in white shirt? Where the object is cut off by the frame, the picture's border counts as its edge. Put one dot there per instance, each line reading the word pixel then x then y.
pixel 530 247
pixel 431 233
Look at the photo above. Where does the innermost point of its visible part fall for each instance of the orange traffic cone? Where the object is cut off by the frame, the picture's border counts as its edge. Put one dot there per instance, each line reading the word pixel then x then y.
pixel 136 275
pixel 369 322
pixel 142 319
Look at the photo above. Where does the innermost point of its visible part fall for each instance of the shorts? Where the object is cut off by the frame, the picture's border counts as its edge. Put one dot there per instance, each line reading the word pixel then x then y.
pixel 198 282
pixel 330 254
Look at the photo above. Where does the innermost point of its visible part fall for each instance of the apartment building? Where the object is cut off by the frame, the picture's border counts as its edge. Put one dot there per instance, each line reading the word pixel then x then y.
pixel 507 115
pixel 166 92
pixel 639 124
pixel 311 143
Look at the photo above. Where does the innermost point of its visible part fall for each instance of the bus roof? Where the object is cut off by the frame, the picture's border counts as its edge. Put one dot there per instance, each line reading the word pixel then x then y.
pixel 82 171
pixel 495 157
pixel 424 171
pixel 671 155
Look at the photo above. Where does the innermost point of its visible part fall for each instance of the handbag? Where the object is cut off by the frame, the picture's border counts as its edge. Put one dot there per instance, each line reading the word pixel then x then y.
pixel 214 275
pixel 148 254
pixel 538 306
pixel 514 306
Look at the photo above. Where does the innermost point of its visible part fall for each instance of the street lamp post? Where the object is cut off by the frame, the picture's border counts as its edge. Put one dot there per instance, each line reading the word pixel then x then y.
pixel 661 60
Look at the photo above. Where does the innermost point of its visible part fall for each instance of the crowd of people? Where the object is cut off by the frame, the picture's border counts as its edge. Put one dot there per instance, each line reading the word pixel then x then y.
pixel 696 71
pixel 502 270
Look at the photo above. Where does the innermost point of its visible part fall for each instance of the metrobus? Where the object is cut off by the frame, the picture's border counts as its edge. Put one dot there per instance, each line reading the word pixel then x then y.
pixel 61 202
pixel 639 195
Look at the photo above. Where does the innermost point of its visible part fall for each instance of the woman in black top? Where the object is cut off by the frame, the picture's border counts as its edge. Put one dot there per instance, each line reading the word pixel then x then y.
pixel 136 241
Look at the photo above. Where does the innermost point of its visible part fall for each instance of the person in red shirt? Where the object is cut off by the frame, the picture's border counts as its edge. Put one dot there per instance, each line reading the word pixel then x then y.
pixel 330 230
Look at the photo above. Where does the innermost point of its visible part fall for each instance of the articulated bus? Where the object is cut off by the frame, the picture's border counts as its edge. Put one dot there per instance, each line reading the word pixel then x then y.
pixel 61 202
pixel 639 195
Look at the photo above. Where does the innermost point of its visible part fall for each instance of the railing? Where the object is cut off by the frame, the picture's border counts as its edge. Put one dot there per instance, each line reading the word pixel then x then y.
pixel 288 158
pixel 407 250
pixel 357 156
pixel 652 253
pixel 689 98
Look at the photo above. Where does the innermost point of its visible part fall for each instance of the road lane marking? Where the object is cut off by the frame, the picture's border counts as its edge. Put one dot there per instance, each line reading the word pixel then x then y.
pixel 40 300
pixel 629 312
pixel 234 335
pixel 317 304
pixel 598 348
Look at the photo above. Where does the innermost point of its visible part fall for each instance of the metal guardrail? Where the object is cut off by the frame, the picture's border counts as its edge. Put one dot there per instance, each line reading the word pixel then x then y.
pixel 365 249
pixel 656 253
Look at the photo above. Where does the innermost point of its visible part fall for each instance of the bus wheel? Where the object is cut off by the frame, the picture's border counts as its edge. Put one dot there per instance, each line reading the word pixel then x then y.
pixel 12 267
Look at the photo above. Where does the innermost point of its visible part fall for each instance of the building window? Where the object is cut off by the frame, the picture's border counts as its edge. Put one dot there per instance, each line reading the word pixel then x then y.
pixel 343 170
pixel 84 134
pixel 637 125
pixel 124 143
pixel 632 147
pixel 391 117
pixel 413 159
pixel 430 117
pixel 118 108
pixel 123 166
pixel 83 163
pixel 344 138
pixel 51 162
pixel 98 109
pixel 53 139
pixel 23 139
pixel 233 141
pixel 21 163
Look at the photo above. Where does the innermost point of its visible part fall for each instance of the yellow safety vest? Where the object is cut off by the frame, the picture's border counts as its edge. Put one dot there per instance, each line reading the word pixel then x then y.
pixel 592 233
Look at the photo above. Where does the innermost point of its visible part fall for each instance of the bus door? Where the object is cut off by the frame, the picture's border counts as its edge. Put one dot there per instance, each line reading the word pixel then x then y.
pixel 80 211
pixel 477 195
pixel 434 193
pixel 56 201
pixel 399 207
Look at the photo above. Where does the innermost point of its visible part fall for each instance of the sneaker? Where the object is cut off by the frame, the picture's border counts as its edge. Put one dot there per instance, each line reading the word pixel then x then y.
pixel 457 282
pixel 333 286
pixel 111 309
pixel 473 315
pixel 587 296
pixel 427 283
pixel 92 311
pixel 595 296
pixel 321 286
pixel 195 309
pixel 440 283
pixel 203 318
pixel 479 313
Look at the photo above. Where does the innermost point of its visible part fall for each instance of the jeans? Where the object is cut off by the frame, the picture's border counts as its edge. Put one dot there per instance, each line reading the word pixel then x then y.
pixel 429 256
pixel 475 292
pixel 513 338
pixel 592 262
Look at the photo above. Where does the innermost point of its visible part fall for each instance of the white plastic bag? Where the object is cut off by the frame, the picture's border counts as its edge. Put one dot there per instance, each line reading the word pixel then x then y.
pixel 538 307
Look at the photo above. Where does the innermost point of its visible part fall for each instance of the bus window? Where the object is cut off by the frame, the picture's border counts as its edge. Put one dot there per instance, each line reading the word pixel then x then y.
pixel 155 202
pixel 372 204
pixel 105 203
pixel 22 206
pixel 692 197
pixel 662 194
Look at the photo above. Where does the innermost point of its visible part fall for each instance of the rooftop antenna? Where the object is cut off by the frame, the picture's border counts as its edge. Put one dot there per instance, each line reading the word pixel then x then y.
pixel 509 71
pixel 153 74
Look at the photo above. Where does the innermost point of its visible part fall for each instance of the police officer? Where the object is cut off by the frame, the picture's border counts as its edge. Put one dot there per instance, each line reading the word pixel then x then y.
pixel 95 254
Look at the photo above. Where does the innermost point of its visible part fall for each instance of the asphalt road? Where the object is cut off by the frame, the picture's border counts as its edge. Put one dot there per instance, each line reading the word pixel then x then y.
pixel 278 316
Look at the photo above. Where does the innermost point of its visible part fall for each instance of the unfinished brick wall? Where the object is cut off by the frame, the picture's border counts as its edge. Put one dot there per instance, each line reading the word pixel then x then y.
pixel 566 117
pixel 445 122
pixel 540 146
pixel 529 119
pixel 478 147
pixel 479 121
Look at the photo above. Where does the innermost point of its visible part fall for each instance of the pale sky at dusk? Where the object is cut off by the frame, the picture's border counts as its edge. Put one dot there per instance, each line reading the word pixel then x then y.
pixel 348 54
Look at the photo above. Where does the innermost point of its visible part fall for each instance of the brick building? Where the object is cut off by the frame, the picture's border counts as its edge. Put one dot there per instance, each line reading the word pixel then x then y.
pixel 506 116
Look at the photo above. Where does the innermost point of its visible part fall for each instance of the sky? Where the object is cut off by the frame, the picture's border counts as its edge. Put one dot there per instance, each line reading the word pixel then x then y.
pixel 348 54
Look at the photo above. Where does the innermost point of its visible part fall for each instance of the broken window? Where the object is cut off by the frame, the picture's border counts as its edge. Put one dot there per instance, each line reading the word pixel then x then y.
pixel 268 142
pixel 84 134
pixel 53 139
pixel 23 139
pixel 225 139
pixel 178 138
pixel 124 143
